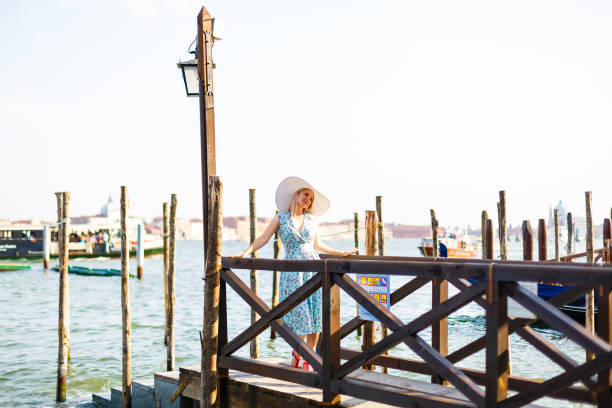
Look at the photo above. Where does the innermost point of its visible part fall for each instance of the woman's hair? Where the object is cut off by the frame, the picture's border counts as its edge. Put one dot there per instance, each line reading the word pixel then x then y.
pixel 293 202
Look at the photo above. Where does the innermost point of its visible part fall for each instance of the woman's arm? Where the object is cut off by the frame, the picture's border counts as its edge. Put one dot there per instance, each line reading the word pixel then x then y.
pixel 320 246
pixel 260 240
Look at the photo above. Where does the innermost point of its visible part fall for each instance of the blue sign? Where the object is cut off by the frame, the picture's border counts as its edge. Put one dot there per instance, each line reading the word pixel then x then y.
pixel 379 288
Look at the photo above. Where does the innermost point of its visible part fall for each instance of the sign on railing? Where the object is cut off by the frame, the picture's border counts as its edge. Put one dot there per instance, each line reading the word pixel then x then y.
pixel 379 287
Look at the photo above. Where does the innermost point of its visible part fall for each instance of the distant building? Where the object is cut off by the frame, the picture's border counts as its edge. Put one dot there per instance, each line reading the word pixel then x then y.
pixel 562 214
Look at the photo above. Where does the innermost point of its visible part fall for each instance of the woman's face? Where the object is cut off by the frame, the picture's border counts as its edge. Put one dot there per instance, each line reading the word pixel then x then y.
pixel 305 198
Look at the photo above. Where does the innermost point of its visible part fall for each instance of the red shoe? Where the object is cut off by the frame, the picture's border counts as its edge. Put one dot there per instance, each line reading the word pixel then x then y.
pixel 295 358
pixel 307 366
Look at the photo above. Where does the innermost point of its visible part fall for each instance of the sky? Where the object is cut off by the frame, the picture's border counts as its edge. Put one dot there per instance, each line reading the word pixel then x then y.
pixel 431 104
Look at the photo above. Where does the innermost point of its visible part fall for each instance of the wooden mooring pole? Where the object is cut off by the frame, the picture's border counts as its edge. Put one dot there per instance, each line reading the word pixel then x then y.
pixel 483 225
pixel 489 239
pixel 503 233
pixel 557 248
pixel 209 380
pixel 140 252
pixel 604 321
pixel 369 328
pixel 356 239
pixel 439 294
pixel 589 318
pixel 165 248
pixel 275 277
pixel 171 283
pixel 63 328
pixel 527 241
pixel 384 332
pixel 254 350
pixel 570 234
pixel 126 377
pixel 46 247
pixel 434 234
pixel 542 253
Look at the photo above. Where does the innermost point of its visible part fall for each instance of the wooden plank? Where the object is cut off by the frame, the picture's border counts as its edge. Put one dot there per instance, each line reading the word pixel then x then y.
pixel 557 319
pixel 281 328
pixel 479 376
pixel 497 358
pixel 284 307
pixel 331 336
pixel 271 370
pixel 474 268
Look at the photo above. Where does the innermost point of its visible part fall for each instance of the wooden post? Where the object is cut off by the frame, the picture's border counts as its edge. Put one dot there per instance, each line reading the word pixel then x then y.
pixel 63 329
pixel 46 247
pixel 542 256
pixel 497 358
pixel 209 378
pixel 356 238
pixel 503 234
pixel 589 318
pixel 331 336
pixel 369 331
pixel 165 249
pixel 434 234
pixel 439 328
pixel 527 241
pixel 207 110
pixel 557 251
pixel 483 224
pixel 140 252
pixel 489 238
pixel 384 332
pixel 604 323
pixel 275 277
pixel 171 283
pixel 253 234
pixel 570 234
pixel 126 378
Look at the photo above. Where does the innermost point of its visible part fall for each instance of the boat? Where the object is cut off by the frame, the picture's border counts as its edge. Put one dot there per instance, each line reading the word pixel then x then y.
pixel 4 267
pixel 27 241
pixel 450 246
pixel 86 271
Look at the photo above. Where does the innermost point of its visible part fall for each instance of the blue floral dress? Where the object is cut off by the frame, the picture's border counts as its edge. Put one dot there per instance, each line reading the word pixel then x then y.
pixel 305 318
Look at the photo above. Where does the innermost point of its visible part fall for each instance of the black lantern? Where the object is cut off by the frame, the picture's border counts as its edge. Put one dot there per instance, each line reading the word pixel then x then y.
pixel 190 76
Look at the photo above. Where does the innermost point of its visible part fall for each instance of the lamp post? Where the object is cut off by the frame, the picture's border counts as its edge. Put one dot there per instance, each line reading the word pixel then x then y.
pixel 198 79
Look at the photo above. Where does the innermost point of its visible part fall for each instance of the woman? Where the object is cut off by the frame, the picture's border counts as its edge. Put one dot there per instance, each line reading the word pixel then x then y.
pixel 298 203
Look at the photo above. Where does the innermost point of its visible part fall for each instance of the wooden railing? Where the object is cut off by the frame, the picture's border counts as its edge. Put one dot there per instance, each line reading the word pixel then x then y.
pixel 496 282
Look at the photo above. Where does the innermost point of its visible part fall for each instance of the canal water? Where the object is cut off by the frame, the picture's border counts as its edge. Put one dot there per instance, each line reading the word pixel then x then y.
pixel 28 325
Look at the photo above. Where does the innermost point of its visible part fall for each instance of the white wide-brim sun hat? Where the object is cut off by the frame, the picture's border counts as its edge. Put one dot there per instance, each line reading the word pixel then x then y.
pixel 290 185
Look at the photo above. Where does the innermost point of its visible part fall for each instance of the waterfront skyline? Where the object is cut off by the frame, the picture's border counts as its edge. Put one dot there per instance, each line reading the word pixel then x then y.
pixel 432 105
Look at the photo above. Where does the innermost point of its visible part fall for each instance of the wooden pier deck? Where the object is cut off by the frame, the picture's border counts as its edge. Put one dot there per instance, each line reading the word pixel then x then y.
pixel 254 391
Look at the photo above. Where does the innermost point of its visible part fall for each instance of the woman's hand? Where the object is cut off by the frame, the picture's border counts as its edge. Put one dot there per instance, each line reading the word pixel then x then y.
pixel 236 255
pixel 350 252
